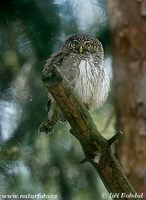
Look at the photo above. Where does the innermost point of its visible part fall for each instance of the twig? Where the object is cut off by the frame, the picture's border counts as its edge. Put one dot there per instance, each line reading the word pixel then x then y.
pixel 114 138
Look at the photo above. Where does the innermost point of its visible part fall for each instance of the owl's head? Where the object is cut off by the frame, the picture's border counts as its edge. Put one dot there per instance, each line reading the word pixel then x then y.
pixel 82 44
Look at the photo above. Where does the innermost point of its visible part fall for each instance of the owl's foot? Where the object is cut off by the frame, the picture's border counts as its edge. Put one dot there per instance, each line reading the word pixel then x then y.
pixel 62 120
pixel 46 127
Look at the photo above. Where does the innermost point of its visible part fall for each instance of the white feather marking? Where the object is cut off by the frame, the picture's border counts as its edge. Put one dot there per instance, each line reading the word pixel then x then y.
pixel 92 85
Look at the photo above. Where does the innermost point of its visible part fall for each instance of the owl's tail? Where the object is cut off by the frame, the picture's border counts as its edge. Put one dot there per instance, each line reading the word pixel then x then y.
pixel 46 127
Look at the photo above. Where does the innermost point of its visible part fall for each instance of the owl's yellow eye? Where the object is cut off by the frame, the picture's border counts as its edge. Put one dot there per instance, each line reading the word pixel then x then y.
pixel 88 45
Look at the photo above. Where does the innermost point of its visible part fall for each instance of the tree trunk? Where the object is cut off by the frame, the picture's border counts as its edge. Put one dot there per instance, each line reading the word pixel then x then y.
pixel 128 31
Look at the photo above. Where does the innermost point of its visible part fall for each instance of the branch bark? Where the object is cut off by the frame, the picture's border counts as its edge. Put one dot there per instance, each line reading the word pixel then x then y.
pixel 96 148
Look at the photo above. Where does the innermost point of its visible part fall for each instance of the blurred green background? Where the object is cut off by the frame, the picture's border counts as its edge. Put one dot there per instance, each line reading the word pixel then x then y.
pixel 30 31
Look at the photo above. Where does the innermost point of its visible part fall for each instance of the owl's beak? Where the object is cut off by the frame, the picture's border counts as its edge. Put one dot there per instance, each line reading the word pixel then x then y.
pixel 81 49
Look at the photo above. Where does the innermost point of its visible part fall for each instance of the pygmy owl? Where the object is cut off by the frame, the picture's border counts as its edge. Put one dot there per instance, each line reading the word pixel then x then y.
pixel 81 62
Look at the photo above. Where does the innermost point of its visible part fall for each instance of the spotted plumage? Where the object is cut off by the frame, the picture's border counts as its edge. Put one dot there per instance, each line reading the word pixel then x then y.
pixel 81 62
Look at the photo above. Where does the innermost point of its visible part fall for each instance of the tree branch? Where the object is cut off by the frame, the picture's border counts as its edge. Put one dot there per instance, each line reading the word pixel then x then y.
pixel 96 148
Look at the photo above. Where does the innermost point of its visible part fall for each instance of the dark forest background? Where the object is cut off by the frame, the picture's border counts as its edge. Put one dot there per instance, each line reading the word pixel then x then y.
pixel 31 162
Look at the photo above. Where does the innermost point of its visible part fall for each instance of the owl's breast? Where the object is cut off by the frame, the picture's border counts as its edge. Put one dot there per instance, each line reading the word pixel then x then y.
pixel 92 83
pixel 86 81
pixel 89 80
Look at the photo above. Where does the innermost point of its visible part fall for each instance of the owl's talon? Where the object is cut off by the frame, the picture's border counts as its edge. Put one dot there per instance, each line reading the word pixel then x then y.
pixel 63 120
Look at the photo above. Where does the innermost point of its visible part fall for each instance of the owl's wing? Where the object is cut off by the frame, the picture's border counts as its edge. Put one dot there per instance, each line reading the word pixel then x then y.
pixel 69 68
pixel 65 61
pixel 55 60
